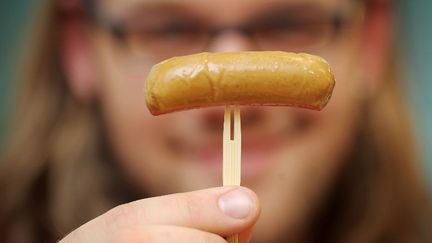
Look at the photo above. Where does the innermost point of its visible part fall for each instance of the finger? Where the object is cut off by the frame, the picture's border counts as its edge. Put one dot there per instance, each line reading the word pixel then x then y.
pixel 149 233
pixel 224 211
pixel 165 234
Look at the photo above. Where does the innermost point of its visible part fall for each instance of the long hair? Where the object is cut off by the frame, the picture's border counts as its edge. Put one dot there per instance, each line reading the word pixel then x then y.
pixel 57 173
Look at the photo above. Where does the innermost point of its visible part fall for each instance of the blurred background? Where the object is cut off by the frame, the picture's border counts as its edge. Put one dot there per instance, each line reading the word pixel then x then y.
pixel 415 49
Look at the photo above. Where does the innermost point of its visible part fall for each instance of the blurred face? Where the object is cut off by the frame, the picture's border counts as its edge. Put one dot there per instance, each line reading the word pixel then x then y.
pixel 289 156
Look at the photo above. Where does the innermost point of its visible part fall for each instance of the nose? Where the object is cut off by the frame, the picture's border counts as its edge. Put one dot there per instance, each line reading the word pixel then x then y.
pixel 230 41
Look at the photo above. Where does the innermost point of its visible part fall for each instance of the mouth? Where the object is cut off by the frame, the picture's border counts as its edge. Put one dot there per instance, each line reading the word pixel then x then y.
pixel 255 156
pixel 265 132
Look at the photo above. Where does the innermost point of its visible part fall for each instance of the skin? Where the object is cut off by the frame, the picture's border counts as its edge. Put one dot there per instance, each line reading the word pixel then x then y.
pixel 290 156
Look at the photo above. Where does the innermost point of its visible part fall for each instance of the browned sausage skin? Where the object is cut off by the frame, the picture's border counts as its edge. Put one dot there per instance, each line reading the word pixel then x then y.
pixel 244 78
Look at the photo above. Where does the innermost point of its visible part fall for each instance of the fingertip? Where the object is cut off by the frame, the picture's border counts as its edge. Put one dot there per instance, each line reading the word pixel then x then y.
pixel 240 203
pixel 256 202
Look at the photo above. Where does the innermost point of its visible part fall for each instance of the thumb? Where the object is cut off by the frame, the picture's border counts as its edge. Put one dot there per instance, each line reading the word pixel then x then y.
pixel 223 211
pixel 242 205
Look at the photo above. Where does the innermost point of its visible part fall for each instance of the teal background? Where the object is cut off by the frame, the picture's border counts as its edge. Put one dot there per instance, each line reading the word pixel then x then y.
pixel 13 16
pixel 416 51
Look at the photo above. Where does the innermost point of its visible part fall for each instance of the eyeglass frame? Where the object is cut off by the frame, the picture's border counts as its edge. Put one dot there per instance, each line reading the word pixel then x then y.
pixel 118 30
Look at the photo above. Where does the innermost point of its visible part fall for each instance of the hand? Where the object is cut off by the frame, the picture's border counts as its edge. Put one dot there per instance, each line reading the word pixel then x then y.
pixel 199 216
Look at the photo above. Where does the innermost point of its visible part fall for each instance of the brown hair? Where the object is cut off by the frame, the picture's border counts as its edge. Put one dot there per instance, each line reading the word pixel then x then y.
pixel 56 172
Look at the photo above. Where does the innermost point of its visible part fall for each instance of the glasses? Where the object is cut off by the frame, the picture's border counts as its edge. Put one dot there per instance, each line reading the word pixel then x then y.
pixel 295 29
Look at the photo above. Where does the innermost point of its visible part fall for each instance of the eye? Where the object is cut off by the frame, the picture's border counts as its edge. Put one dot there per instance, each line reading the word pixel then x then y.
pixel 294 30
pixel 166 36
pixel 297 27
pixel 295 21
pixel 175 29
pixel 165 27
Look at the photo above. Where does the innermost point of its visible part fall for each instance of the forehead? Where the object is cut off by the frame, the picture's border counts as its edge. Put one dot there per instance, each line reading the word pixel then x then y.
pixel 222 9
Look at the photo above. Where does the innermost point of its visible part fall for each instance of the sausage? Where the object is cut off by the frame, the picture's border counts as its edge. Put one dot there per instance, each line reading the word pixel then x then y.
pixel 239 78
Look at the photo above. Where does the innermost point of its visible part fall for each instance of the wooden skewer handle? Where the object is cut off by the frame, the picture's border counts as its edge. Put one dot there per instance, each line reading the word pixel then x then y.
pixel 233 239
pixel 232 153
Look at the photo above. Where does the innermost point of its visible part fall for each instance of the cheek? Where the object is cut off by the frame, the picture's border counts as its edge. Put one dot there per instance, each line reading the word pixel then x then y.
pixel 122 97
pixel 140 140
pixel 134 134
pixel 332 138
pixel 307 168
pixel 334 132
